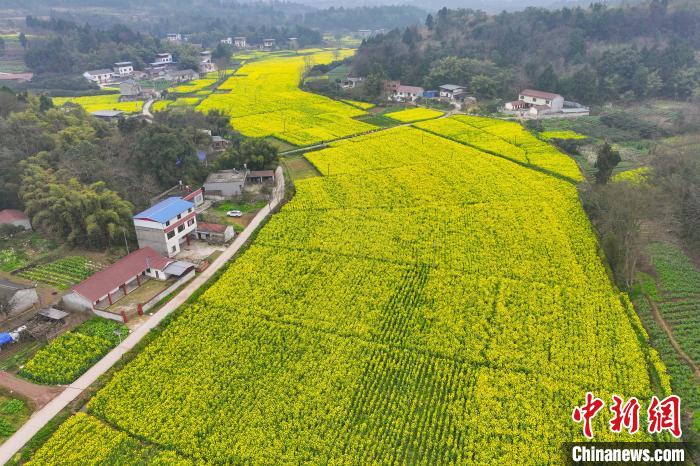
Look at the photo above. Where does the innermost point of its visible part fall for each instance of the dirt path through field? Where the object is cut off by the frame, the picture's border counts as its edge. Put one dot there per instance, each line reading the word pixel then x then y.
pixel 39 395
pixel 667 328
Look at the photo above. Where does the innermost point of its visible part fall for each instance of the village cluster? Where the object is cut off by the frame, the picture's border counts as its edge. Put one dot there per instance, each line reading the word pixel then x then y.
pixel 174 240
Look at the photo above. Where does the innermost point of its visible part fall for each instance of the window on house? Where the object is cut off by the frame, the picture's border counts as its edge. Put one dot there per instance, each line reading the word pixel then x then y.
pixel 180 228
pixel 171 234
pixel 179 216
pixel 547 102
pixel 190 222
pixel 167 223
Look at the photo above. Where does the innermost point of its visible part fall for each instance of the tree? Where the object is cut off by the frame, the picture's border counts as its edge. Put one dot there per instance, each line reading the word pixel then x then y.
pixel 429 22
pixel 169 154
pixel 23 40
pixel 618 210
pixel 253 154
pixel 2 46
pixel 607 160
pixel 547 80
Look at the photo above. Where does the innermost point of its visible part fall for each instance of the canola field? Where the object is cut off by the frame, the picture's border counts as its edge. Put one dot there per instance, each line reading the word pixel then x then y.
pixel 423 302
pixel 414 114
pixel 264 99
pixel 505 139
pixel 94 103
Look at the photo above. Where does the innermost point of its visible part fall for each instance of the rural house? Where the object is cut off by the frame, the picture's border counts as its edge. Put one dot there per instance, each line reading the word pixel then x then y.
pixel 129 90
pixel 268 43
pixel 101 76
pixel 260 176
pixel 351 82
pixel 534 104
pixel 174 37
pixel 239 42
pixel 206 65
pixel 16 298
pixel 215 232
pixel 407 93
pixel 218 143
pixel 227 41
pixel 224 183
pixel 164 58
pixel 166 225
pixel 123 68
pixel 15 218
pixel 452 92
pixel 105 287
pixel 180 76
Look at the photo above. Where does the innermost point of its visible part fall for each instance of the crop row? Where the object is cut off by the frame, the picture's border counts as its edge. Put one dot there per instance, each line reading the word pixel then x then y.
pixel 62 272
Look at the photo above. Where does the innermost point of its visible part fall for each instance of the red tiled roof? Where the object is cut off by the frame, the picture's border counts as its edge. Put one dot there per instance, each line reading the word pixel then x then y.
pixel 539 94
pixel 12 215
pixel 104 281
pixel 410 89
pixel 211 227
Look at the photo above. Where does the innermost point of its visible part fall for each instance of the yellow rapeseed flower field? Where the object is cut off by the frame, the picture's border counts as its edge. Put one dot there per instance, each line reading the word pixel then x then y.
pixel 264 99
pixel 422 302
pixel 414 114
pixel 101 102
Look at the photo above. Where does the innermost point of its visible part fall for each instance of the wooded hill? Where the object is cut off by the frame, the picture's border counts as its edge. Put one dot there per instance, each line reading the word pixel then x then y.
pixel 591 55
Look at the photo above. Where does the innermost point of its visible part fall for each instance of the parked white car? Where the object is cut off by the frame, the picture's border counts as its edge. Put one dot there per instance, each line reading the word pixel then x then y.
pixel 234 213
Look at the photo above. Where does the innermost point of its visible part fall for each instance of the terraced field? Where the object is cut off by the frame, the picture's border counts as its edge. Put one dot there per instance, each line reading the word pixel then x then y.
pixel 264 100
pixel 423 302
pixel 101 102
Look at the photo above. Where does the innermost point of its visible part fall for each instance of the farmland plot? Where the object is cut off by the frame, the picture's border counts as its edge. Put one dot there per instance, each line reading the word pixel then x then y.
pixel 422 303
pixel 264 100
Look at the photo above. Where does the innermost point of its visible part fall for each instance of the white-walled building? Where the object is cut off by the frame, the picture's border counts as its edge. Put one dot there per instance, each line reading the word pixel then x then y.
pixel 407 93
pixel 227 41
pixel 101 76
pixel 163 59
pixel 535 104
pixel 206 65
pixel 123 68
pixel 452 92
pixel 166 225
pixel 240 42
pixel 174 37
pixel 267 43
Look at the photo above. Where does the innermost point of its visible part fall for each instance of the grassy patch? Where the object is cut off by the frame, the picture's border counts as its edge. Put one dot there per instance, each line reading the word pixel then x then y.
pixel 300 168
pixel 13 413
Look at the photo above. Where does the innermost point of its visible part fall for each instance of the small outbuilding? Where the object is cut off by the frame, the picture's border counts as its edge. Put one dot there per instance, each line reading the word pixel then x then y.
pixel 260 176
pixel 225 183
pixel 16 298
pixel 215 232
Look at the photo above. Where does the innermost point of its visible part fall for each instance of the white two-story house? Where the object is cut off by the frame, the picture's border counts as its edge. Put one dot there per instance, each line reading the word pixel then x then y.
pixel 240 42
pixel 166 225
pixel 123 68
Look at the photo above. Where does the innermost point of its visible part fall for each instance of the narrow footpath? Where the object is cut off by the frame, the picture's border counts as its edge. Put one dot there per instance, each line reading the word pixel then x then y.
pixel 39 395
pixel 41 417
pixel 669 333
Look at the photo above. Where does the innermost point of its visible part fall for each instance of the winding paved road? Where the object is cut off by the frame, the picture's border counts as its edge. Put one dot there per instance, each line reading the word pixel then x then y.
pixel 41 417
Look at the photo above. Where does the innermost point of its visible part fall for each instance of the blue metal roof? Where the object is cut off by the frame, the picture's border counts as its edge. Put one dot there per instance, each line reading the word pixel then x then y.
pixel 201 155
pixel 165 209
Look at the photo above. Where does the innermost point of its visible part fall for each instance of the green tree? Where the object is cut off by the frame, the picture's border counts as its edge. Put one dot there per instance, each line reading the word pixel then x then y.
pixel 547 80
pixel 607 160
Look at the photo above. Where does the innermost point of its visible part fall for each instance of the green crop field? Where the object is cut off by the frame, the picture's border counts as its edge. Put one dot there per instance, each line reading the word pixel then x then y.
pixel 62 273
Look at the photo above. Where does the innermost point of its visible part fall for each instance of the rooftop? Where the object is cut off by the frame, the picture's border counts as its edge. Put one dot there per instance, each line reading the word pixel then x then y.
pixel 12 215
pixel 104 281
pixel 100 71
pixel 8 286
pixel 107 113
pixel 226 176
pixel 451 87
pixel 165 210
pixel 212 227
pixel 262 173
pixel 123 63
pixel 411 89
pixel 539 94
